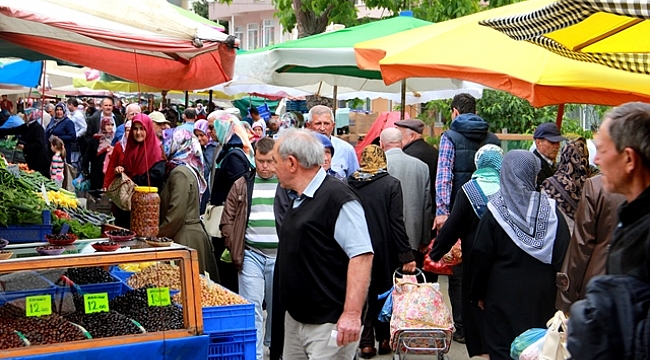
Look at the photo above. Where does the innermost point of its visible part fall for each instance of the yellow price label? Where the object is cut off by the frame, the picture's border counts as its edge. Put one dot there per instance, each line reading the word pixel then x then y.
pixel 39 305
pixel 158 296
pixel 94 303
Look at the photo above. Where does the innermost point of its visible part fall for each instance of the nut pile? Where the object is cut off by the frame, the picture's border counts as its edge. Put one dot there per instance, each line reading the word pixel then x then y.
pixel 21 281
pixel 105 324
pixel 159 275
pixel 49 329
pixel 89 275
pixel 134 305
pixel 214 295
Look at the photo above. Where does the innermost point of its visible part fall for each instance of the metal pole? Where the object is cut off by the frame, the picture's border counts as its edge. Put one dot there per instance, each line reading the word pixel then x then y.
pixel 403 99
pixel 335 104
pixel 209 101
pixel 560 115
pixel 187 99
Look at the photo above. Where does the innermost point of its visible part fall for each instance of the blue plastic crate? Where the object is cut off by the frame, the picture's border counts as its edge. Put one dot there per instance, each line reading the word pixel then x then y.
pixel 123 276
pixel 7 296
pixel 228 318
pixel 113 289
pixel 237 345
pixel 28 233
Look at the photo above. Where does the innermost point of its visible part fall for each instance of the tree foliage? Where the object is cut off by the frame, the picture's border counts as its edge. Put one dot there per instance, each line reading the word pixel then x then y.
pixel 200 8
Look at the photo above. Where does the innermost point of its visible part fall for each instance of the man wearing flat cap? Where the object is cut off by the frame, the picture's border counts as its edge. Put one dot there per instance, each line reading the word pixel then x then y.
pixel 413 144
pixel 547 138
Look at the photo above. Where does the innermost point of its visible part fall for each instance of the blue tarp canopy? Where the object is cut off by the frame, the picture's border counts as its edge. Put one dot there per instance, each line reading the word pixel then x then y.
pixel 20 72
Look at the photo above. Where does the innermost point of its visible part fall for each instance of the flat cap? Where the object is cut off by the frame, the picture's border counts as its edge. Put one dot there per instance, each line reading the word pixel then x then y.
pixel 413 124
pixel 548 131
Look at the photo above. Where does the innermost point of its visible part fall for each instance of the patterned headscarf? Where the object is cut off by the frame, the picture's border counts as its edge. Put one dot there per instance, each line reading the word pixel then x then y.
pixel 527 216
pixel 225 126
pixel 373 162
pixel 182 148
pixel 565 186
pixel 34 115
pixel 105 137
pixel 485 180
pixel 202 126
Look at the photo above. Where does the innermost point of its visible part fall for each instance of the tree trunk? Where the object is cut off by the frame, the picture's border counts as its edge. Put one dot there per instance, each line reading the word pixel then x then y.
pixel 309 23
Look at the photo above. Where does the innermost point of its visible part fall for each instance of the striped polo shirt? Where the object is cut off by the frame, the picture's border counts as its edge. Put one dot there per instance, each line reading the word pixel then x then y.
pixel 261 235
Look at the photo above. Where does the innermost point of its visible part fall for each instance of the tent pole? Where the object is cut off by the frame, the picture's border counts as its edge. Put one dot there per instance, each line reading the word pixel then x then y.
pixel 560 115
pixel 42 93
pixel 187 99
pixel 210 100
pixel 335 104
pixel 403 99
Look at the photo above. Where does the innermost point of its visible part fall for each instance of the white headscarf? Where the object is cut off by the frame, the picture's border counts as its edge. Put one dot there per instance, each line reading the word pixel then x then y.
pixel 526 215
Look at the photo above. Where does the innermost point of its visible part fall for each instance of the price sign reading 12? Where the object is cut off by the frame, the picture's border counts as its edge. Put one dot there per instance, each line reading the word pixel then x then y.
pixel 95 303
pixel 39 305
pixel 158 296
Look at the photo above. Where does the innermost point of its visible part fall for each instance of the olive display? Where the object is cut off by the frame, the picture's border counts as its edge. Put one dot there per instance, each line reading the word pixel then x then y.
pixel 104 324
pixel 21 281
pixel 120 232
pixel 157 239
pixel 135 305
pixel 160 275
pixel 106 243
pixel 59 237
pixel 53 275
pixel 89 275
pixel 50 329
pixel 10 339
pixel 50 247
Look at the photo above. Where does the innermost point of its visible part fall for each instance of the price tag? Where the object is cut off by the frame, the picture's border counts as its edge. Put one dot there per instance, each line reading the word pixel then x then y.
pixel 96 303
pixel 158 296
pixel 39 305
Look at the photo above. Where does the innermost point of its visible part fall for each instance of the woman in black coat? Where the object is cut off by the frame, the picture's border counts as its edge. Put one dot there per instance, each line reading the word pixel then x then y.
pixel 381 196
pixel 469 207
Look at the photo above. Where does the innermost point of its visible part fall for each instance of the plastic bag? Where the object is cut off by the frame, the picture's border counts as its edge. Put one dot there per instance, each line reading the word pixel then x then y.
pixel 387 310
pixel 534 351
pixel 81 184
pixel 444 265
pixel 524 340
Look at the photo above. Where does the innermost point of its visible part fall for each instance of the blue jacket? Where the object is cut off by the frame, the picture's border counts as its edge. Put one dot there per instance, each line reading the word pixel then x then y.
pixel 65 131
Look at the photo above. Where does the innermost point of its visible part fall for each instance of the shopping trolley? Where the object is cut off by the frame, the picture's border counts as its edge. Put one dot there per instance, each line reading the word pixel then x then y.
pixel 421 323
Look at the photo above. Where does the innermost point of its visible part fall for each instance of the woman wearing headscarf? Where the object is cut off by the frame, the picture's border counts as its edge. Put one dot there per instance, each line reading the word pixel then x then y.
pixel 470 205
pixel 62 127
pixel 565 186
pixel 180 197
pixel 115 156
pixel 143 161
pixel 203 133
pixel 235 159
pixel 92 164
pixel 519 247
pixel 381 196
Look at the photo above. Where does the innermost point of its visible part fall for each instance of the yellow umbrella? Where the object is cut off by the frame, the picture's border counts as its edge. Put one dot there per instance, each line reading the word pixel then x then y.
pixel 610 32
pixel 463 49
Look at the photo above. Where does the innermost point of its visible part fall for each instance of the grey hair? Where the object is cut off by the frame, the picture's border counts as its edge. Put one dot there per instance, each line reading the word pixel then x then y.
pixel 301 144
pixel 391 136
pixel 49 106
pixel 132 106
pixel 320 110
pixel 630 127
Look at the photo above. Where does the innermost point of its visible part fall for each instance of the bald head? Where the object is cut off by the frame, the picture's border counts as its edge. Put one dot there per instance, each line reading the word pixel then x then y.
pixel 390 138
pixel 132 110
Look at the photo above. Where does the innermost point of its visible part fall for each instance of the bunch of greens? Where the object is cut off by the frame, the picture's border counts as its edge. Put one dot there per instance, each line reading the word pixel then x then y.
pixel 19 205
pixel 85 231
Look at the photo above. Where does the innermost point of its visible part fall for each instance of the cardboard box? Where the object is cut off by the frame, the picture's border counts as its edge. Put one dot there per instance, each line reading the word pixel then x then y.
pixel 361 122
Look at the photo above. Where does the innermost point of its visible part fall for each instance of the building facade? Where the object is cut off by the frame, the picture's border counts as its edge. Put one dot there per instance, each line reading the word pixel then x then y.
pixel 253 23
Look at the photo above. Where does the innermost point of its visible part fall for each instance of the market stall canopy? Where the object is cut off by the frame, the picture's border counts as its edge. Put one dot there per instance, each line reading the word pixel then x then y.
pixel 463 49
pixel 70 90
pixel 317 63
pixel 20 72
pixel 613 33
pixel 412 98
pixel 147 42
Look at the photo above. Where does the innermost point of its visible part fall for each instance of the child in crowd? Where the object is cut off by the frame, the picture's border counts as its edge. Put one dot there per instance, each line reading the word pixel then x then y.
pixel 57 166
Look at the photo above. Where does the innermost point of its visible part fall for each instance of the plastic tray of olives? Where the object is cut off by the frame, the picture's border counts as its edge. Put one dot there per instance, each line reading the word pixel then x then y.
pixel 120 235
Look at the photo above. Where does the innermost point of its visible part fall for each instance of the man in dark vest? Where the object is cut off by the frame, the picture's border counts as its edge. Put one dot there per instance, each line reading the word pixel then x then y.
pixel 324 255
pixel 467 133
pixel 547 138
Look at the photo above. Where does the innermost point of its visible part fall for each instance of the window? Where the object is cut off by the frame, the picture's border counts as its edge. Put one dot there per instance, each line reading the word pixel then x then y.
pixel 268 33
pixel 252 39
pixel 239 34
pixel 359 2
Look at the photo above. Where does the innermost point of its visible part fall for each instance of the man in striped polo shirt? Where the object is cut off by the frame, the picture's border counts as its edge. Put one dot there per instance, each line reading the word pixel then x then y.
pixel 261 238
